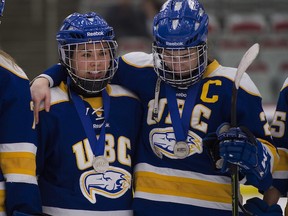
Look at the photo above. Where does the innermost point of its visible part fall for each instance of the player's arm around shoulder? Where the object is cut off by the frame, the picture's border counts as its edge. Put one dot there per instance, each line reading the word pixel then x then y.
pixel 40 87
pixel 57 94
pixel 138 59
pixel 120 91
pixel 134 67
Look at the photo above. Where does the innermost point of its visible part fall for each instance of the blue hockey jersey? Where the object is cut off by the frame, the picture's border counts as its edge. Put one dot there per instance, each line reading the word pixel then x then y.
pixel 166 184
pixel 68 183
pixel 18 186
pixel 279 130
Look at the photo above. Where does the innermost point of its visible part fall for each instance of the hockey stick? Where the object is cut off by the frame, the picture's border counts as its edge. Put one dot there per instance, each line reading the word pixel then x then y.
pixel 245 62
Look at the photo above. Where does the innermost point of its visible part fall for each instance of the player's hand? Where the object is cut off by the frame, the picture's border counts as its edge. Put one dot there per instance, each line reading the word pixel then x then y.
pixel 211 146
pixel 259 207
pixel 239 146
pixel 40 91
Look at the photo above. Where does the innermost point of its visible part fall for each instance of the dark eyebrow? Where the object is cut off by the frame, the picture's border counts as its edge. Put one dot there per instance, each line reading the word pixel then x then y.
pixel 91 50
pixel 185 54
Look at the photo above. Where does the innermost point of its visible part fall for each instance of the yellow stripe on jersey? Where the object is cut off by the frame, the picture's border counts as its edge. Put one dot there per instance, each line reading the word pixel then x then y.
pixel 210 68
pixel 283 162
pixel 18 163
pixel 2 197
pixel 182 187
pixel 95 102
pixel 248 190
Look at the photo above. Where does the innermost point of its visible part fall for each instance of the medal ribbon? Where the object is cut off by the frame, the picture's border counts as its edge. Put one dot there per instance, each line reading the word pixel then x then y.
pixel 181 125
pixel 156 101
pixel 97 146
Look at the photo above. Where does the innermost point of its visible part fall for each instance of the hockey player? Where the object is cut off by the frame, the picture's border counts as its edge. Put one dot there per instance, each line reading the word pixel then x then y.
pixel 17 142
pixel 186 99
pixel 18 184
pixel 279 132
pixel 87 140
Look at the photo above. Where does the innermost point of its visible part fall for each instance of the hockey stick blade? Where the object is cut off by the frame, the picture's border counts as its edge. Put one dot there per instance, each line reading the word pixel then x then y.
pixel 245 62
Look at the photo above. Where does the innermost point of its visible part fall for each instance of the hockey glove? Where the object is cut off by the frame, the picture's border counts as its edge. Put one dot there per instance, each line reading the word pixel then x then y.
pixel 211 144
pixel 238 146
pixel 259 207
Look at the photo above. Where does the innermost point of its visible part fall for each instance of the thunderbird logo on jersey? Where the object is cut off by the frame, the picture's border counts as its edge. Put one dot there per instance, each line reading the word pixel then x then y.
pixel 162 141
pixel 112 184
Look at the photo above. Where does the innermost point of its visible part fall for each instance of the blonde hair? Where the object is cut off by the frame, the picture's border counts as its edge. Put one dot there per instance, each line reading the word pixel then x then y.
pixel 7 56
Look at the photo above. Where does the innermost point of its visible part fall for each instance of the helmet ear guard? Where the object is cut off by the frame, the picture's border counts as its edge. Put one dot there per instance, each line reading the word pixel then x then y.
pixel 180 25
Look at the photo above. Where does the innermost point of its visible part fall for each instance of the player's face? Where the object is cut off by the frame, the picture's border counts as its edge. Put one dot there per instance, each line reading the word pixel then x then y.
pixel 91 61
pixel 181 61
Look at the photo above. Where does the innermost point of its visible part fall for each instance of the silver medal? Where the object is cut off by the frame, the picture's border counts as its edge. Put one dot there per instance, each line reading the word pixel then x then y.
pixel 100 164
pixel 181 149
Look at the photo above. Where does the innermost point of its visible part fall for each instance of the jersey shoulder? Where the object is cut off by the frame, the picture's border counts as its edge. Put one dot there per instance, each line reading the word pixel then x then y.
pixel 138 59
pixel 216 70
pixel 285 84
pixel 59 94
pixel 12 67
pixel 120 91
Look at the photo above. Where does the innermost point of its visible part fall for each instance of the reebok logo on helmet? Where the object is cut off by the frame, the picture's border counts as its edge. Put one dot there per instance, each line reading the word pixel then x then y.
pixel 174 43
pixel 95 33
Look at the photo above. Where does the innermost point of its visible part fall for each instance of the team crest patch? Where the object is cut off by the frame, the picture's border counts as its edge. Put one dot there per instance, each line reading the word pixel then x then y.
pixel 162 142
pixel 112 183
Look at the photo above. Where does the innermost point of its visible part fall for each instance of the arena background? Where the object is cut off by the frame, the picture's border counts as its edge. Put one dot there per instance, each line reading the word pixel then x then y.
pixel 29 27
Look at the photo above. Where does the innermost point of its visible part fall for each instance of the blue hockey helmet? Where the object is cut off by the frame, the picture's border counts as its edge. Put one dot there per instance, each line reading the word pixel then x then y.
pixel 2 4
pixel 85 30
pixel 180 25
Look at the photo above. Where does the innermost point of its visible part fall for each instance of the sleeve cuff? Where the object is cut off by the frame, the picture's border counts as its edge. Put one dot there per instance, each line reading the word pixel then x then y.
pixel 50 80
